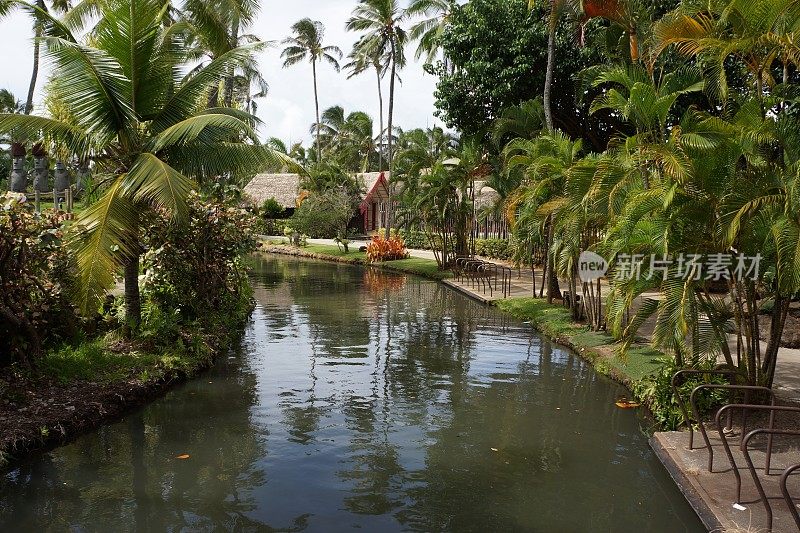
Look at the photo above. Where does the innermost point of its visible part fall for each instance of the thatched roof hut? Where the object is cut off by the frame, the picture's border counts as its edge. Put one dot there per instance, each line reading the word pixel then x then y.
pixel 285 188
pixel 485 196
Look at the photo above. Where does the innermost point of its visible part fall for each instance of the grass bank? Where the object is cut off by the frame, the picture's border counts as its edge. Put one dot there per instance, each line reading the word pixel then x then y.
pixel 556 322
pixel 427 268
pixel 78 387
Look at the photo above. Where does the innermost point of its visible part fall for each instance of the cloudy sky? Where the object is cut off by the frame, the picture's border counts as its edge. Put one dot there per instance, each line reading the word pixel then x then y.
pixel 288 111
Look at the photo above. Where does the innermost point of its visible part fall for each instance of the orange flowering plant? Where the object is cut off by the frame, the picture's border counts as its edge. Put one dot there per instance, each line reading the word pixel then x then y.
pixel 383 249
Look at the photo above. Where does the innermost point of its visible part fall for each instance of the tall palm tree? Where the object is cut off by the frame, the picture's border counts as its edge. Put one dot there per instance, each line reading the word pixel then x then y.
pixel 306 44
pixel 218 27
pixel 429 30
pixel 60 6
pixel 362 58
pixel 137 119
pixel 381 20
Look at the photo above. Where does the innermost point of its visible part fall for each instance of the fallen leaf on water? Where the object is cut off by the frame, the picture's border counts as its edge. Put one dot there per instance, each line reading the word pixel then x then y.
pixel 183 456
pixel 624 403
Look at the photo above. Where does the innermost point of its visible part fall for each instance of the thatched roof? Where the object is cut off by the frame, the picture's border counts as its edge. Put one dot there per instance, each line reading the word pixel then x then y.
pixel 285 188
pixel 485 196
pixel 370 180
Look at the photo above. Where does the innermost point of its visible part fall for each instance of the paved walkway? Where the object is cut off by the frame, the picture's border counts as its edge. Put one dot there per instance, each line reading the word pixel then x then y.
pixel 713 494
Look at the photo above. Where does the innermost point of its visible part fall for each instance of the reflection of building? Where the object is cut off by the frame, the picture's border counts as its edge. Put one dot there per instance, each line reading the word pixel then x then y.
pixel 285 188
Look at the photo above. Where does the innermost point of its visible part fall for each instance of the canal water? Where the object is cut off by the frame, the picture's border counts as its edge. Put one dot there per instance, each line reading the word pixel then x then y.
pixel 360 399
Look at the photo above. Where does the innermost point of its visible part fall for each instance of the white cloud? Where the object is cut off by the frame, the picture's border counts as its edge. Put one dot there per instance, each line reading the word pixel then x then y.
pixel 288 111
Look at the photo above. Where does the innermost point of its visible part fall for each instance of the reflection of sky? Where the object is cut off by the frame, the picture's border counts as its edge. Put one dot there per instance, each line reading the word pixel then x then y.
pixel 392 401
pixel 406 408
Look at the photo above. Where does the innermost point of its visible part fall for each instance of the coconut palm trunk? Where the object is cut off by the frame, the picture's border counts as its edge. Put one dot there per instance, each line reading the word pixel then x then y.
pixel 316 106
pixel 35 71
pixel 133 301
pixel 389 210
pixel 548 78
pixel 380 119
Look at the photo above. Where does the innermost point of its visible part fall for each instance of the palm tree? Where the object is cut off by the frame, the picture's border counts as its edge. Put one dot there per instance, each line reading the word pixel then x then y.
pixel 348 138
pixel 60 6
pixel 429 30
pixel 216 28
pixel 9 103
pixel 140 125
pixel 330 125
pixel 362 58
pixel 306 43
pixel 755 34
pixel 380 21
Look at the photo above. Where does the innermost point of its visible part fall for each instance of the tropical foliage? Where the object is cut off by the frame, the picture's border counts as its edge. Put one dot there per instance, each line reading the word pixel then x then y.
pixel 198 266
pixel 35 277
pixel 135 109
pixel 382 248
pixel 696 170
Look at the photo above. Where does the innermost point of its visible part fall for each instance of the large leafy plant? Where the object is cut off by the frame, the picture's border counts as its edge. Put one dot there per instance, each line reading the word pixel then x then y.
pixel 138 113
pixel 35 272
pixel 196 267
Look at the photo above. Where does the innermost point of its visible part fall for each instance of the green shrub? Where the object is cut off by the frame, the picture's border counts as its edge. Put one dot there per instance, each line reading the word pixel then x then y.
pixel 415 239
pixel 36 273
pixel 325 214
pixel 494 248
pixel 196 270
pixel 271 209
pixel 656 389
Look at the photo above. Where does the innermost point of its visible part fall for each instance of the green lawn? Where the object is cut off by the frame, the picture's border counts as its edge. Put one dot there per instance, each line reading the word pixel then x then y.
pixel 413 265
pixel 95 361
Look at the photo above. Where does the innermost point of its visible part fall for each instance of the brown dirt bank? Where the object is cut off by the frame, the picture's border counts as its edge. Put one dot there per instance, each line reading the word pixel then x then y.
pixel 38 414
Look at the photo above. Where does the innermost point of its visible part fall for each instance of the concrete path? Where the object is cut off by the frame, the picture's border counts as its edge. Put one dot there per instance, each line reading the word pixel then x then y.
pixel 713 495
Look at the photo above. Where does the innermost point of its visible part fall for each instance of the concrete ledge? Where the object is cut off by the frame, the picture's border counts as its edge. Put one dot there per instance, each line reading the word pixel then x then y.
pixel 466 290
pixel 687 485
pixel 712 494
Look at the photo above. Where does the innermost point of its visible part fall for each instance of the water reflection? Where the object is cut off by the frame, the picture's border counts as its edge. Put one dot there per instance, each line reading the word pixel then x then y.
pixel 360 399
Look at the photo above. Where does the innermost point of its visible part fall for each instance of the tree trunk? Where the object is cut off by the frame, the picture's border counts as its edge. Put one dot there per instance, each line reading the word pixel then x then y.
pixel 634 41
pixel 230 79
pixel 389 206
pixel 553 290
pixel 229 82
pixel 133 302
pixel 380 119
pixel 213 97
pixel 780 310
pixel 316 106
pixel 35 72
pixel 548 78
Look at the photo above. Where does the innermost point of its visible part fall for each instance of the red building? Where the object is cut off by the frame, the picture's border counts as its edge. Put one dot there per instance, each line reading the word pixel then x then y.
pixel 373 207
